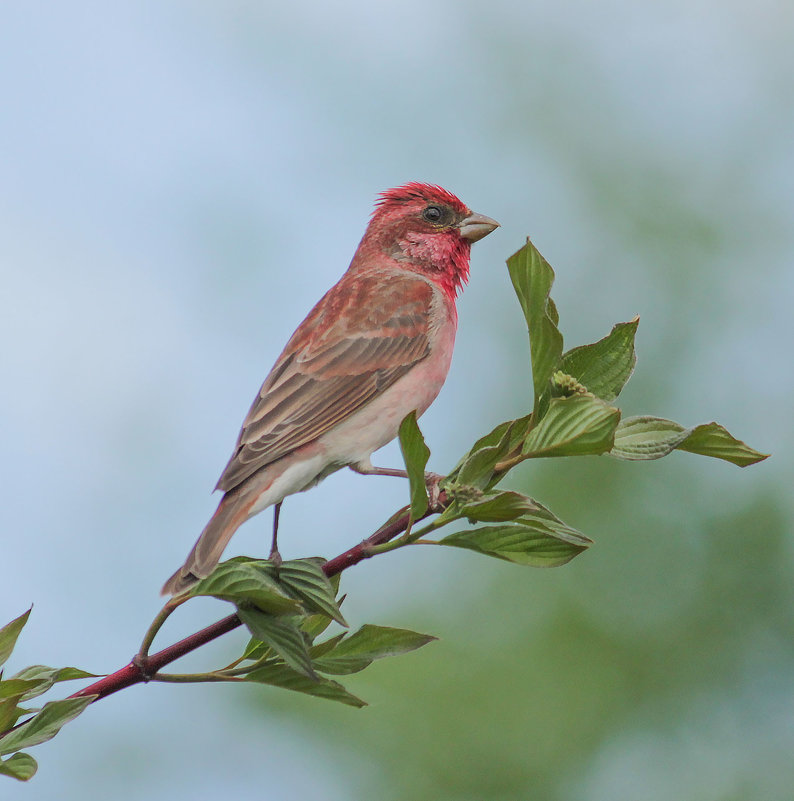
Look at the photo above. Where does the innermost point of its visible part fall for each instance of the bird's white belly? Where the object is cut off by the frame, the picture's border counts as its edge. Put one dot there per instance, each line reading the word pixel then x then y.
pixel 294 473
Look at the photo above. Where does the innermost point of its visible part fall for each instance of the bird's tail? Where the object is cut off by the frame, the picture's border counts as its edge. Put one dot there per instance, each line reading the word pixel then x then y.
pixel 233 510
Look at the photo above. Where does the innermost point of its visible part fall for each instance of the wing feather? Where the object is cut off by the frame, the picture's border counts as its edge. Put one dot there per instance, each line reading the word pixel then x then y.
pixel 367 332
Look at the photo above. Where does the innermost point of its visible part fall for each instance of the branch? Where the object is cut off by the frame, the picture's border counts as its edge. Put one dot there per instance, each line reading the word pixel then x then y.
pixel 143 670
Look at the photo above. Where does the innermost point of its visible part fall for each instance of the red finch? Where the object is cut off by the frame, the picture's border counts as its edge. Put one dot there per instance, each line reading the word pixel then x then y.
pixel 377 346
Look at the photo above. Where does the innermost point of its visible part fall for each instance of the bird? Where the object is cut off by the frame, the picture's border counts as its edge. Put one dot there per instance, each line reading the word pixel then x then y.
pixel 377 346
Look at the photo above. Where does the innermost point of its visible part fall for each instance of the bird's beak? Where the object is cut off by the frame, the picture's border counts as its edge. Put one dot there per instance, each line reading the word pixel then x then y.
pixel 476 226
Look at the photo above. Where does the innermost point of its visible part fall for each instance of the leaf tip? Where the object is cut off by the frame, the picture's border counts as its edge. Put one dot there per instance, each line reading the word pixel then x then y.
pixel 759 457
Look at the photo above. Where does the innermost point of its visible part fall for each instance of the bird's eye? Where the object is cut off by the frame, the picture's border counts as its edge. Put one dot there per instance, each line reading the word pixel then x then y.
pixel 432 214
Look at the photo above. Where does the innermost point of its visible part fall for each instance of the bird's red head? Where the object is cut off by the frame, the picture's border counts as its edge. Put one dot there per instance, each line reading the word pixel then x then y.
pixel 427 229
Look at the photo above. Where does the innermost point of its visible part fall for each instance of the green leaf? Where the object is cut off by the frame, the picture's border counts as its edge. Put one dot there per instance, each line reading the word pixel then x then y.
pixel 605 366
pixel 509 433
pixel 491 440
pixel 44 725
pixel 19 766
pixel 288 679
pixel 315 625
pixel 638 438
pixel 499 507
pixel 20 687
pixel 283 636
pixel 415 454
pixel 44 677
pixel 647 438
pixel 322 648
pixel 256 650
pixel 575 426
pixel 476 469
pixel 359 650
pixel 247 581
pixel 712 439
pixel 312 626
pixel 538 539
pixel 9 634
pixel 305 578
pixel 10 713
pixel 532 278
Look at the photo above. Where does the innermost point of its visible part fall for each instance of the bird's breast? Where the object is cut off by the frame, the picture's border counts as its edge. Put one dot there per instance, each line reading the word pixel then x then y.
pixel 378 422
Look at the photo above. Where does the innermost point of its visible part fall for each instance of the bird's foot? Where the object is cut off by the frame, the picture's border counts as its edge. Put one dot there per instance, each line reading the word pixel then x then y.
pixel 433 484
pixel 275 559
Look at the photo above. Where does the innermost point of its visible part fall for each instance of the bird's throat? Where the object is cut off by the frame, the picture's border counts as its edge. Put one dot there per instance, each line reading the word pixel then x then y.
pixel 444 259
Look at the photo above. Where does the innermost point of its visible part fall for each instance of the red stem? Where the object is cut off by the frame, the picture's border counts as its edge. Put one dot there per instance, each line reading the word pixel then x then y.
pixel 134 674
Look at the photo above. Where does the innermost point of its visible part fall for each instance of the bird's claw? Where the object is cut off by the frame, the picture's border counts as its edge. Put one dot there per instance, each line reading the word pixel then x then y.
pixel 433 484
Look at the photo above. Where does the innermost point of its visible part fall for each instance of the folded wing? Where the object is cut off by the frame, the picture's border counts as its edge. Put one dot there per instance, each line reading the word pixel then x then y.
pixel 358 340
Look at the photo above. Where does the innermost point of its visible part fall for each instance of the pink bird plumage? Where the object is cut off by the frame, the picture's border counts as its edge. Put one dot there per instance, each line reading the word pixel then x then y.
pixel 377 346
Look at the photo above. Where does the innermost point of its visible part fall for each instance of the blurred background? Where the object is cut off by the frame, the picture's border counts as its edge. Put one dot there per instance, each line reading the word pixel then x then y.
pixel 181 181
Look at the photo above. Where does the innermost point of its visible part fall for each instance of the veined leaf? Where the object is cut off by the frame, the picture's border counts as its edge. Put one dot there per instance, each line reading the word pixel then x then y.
pixel 359 650
pixel 498 507
pixel 306 579
pixel 575 426
pixel 312 625
pixel 45 724
pixel 639 438
pixel 538 539
pixel 288 679
pixel 246 581
pixel 44 677
pixel 605 366
pixel 509 433
pixel 21 687
pixel 315 625
pixel 415 454
pixel 283 636
pixel 322 648
pixel 19 766
pixel 532 278
pixel 476 469
pixel 255 650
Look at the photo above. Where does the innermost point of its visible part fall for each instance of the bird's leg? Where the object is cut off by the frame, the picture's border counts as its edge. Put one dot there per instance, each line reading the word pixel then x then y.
pixel 368 469
pixel 432 480
pixel 275 556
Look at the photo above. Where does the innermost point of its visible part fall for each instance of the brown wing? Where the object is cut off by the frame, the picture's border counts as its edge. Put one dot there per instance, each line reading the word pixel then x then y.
pixel 364 334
